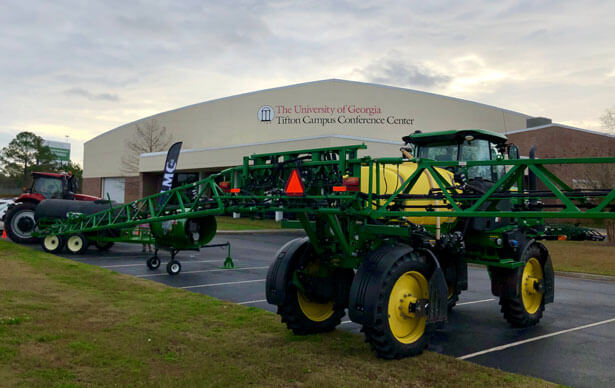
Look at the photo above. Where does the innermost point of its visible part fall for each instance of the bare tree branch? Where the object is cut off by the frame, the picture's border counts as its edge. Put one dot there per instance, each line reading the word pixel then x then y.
pixel 608 119
pixel 149 136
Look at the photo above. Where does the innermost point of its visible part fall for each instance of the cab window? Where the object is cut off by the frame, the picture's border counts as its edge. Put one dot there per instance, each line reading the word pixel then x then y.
pixel 439 153
pixel 49 187
pixel 477 149
pixel 498 171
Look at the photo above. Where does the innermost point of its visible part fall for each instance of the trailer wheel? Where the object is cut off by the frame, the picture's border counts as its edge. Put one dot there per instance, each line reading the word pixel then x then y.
pixel 173 267
pixel 399 326
pixel 52 243
pixel 153 262
pixel 103 245
pixel 526 309
pixel 303 311
pixel 77 244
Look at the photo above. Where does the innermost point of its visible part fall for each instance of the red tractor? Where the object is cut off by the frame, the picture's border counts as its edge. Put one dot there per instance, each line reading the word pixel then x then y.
pixel 19 219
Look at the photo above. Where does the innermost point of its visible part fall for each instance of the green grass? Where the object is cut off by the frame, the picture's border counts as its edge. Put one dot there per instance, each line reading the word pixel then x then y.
pixel 67 324
pixel 582 256
pixel 230 223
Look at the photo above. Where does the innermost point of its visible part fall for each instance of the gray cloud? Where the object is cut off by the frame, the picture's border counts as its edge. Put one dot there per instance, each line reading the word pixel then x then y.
pixel 397 72
pixel 92 96
pixel 164 54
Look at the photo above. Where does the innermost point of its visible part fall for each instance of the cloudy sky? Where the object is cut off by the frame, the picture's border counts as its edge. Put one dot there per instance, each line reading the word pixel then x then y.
pixel 80 68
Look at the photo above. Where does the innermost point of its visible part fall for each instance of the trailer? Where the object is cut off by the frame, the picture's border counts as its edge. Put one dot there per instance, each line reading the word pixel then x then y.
pixel 388 239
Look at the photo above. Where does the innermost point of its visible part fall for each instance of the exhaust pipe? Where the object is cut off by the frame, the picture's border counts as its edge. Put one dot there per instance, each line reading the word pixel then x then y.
pixel 532 176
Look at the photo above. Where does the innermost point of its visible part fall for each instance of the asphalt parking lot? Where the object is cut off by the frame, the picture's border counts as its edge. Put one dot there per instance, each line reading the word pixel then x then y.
pixel 574 344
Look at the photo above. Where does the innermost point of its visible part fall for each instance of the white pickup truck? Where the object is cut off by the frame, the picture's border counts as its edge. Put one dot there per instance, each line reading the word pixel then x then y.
pixel 4 204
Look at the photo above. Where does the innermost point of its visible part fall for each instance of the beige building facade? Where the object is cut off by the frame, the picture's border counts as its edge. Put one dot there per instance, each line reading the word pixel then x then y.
pixel 217 134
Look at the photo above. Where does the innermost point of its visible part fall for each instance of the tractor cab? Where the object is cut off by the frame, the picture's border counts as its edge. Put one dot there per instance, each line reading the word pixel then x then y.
pixel 19 219
pixel 463 146
pixel 53 186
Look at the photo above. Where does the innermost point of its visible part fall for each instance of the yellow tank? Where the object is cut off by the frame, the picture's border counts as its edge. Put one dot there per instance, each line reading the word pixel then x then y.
pixel 391 179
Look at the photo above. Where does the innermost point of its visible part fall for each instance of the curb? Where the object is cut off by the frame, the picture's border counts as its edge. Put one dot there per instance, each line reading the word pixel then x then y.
pixel 262 231
pixel 565 274
pixel 587 276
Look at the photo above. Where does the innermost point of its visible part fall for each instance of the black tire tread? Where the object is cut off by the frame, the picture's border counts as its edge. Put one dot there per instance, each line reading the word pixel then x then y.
pixel 513 309
pixel 295 320
pixel 452 301
pixel 150 262
pixel 169 264
pixel 58 249
pixel 84 247
pixel 290 310
pixel 8 218
pixel 378 335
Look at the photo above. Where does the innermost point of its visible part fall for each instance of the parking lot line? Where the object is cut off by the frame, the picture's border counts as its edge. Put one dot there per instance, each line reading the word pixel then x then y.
pixel 143 262
pixel 108 256
pixel 205 270
pixel 475 301
pixel 253 301
pixel 223 284
pixel 517 343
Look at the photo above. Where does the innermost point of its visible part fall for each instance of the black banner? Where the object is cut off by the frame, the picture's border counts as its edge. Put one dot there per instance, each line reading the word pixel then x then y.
pixel 169 169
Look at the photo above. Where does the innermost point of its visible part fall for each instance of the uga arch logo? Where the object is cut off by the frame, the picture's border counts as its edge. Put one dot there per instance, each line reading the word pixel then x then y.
pixel 265 113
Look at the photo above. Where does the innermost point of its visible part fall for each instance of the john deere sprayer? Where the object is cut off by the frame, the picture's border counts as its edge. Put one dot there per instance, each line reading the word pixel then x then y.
pixel 388 239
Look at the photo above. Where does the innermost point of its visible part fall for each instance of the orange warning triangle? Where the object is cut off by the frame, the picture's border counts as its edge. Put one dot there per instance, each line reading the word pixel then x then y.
pixel 294 186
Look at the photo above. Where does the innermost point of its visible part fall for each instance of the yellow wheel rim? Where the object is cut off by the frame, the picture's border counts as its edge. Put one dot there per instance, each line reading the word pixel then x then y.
pixel 451 291
pixel 316 312
pixel 405 326
pixel 74 243
pixel 51 242
pixel 532 275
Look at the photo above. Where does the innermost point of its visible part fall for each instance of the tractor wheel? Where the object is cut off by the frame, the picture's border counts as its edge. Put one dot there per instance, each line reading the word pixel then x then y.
pixel 173 267
pixel 526 309
pixel 103 245
pixel 400 322
pixel 77 244
pixel 52 243
pixel 453 296
pixel 153 262
pixel 20 223
pixel 305 311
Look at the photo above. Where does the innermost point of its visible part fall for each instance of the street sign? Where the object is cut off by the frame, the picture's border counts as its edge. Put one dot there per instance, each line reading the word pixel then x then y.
pixel 59 149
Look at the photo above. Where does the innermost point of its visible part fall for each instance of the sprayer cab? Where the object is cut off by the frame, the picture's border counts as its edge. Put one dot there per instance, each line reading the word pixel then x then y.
pixel 463 146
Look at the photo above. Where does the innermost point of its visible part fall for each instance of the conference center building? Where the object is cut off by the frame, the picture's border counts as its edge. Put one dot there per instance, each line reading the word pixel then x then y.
pixel 217 134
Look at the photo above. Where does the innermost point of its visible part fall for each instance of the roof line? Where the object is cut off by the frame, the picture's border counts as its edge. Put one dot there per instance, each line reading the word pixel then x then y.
pixel 561 126
pixel 358 138
pixel 304 84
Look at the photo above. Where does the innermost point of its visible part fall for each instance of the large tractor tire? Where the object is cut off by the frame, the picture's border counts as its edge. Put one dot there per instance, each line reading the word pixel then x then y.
pixel 20 223
pixel 452 296
pixel 316 307
pixel 526 309
pixel 400 321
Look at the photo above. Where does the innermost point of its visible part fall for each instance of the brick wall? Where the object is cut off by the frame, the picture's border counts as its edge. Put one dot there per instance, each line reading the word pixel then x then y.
pixel 151 183
pixel 92 186
pixel 133 188
pixel 561 142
